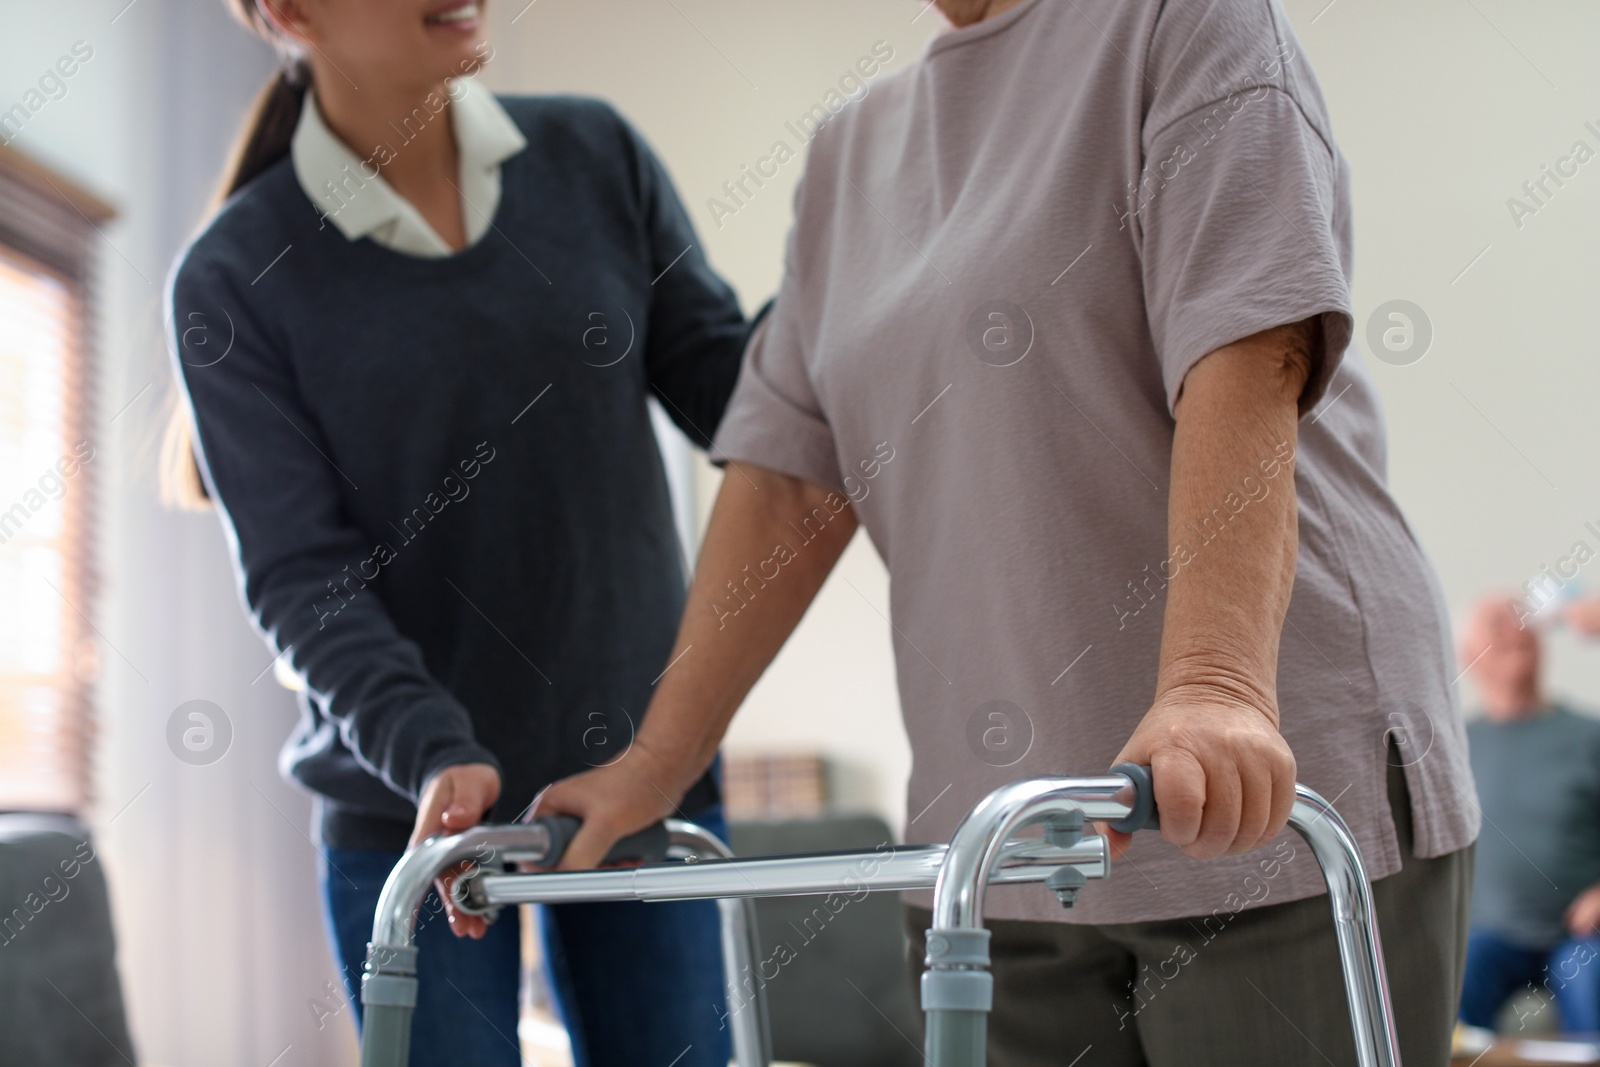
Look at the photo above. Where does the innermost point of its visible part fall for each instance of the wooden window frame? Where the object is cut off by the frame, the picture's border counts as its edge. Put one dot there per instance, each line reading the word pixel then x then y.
pixel 50 223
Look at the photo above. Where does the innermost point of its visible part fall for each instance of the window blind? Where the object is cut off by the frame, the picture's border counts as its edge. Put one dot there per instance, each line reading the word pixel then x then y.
pixel 47 478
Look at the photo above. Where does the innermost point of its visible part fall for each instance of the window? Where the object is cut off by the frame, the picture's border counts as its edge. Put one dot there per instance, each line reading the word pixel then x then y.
pixel 47 466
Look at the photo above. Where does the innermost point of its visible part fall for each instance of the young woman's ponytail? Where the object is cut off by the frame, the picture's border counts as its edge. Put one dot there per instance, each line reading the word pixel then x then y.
pixel 263 140
pixel 269 127
pixel 268 130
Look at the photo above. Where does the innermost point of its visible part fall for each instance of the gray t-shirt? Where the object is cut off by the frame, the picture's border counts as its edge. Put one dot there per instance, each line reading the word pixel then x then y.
pixel 1004 261
pixel 1539 784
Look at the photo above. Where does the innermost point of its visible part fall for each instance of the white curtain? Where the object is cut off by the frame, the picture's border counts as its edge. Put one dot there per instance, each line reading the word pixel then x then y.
pixel 212 869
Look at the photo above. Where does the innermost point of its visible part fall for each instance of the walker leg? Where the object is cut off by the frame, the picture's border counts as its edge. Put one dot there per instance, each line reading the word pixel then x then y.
pixel 747 1005
pixel 1355 923
pixel 957 995
pixel 956 1038
pixel 388 996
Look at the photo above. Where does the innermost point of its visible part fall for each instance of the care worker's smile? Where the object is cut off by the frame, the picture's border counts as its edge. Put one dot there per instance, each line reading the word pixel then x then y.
pixel 461 17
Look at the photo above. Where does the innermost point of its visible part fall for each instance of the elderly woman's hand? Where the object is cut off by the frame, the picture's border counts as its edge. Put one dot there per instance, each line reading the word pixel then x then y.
pixel 1224 776
pixel 617 799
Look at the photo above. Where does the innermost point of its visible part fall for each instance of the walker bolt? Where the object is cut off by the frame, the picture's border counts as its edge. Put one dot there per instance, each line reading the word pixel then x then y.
pixel 1066 881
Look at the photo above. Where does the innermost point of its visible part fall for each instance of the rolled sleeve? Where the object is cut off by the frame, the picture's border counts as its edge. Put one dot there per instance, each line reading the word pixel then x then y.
pixel 774 419
pixel 1238 234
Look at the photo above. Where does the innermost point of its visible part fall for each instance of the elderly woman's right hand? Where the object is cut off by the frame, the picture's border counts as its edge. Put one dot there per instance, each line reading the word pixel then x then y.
pixel 1223 774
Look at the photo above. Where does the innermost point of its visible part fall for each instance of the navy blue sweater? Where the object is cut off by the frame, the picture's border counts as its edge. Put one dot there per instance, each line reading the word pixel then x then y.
pixel 439 477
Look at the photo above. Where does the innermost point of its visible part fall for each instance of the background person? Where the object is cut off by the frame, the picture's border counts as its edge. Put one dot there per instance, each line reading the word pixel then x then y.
pixel 444 492
pixel 1536 900
pixel 1082 272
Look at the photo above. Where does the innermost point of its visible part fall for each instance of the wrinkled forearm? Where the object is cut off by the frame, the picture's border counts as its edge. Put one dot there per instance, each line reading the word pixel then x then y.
pixel 1232 518
pixel 772 541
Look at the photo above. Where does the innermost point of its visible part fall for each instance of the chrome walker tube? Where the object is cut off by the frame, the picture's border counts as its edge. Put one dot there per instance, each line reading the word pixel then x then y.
pixel 389 981
pixel 957 987
pixel 1355 922
pixel 903 867
pixel 735 884
pixel 389 984
pixel 388 989
pixel 751 1029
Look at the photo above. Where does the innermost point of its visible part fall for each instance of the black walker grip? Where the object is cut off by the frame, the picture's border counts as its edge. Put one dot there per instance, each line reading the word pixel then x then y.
pixel 1143 816
pixel 647 846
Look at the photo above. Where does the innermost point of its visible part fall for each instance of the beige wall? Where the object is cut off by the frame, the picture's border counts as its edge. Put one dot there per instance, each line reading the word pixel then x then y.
pixel 1444 110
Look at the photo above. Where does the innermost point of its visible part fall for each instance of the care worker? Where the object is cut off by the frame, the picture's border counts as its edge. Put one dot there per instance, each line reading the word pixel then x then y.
pixel 1066 325
pixel 417 344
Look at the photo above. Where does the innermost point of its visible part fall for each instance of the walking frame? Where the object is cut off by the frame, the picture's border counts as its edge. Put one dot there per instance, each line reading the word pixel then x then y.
pixel 690 863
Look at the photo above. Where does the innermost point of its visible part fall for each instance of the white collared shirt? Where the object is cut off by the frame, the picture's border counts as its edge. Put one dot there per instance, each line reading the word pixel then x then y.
pixel 354 197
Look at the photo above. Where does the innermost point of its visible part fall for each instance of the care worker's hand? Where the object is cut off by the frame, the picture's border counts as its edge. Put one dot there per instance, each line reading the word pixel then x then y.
pixel 456 799
pixel 635 790
pixel 1224 776
pixel 1583 914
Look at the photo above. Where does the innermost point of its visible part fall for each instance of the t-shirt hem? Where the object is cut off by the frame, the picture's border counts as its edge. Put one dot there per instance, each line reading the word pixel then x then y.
pixel 1338 325
pixel 781 464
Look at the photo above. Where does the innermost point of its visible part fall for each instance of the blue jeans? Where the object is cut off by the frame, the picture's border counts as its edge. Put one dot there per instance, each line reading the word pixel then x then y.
pixel 637 985
pixel 1496 969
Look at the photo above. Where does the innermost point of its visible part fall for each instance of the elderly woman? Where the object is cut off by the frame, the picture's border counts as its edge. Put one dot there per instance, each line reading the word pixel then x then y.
pixel 1066 326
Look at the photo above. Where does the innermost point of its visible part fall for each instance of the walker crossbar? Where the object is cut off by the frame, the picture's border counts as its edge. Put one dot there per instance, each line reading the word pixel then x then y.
pixel 988 848
pixel 891 868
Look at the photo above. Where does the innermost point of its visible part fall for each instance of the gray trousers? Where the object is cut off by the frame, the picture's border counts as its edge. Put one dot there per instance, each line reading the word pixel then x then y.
pixel 1263 989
